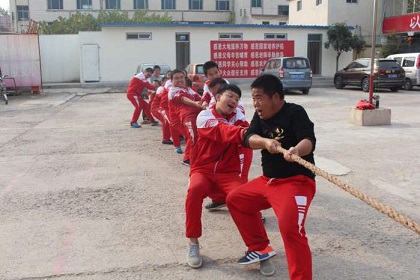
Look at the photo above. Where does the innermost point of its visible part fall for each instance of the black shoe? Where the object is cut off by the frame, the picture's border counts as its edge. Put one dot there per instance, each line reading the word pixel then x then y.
pixel 154 123
pixel 213 206
pixel 186 162
pixel 167 142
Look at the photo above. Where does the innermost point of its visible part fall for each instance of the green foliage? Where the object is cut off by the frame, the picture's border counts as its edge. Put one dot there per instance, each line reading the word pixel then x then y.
pixel 395 43
pixel 87 22
pixel 341 39
pixel 358 44
pixel 4 12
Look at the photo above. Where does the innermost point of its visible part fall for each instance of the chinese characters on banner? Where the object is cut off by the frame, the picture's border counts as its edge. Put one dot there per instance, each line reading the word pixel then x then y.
pixel 244 59
pixel 404 23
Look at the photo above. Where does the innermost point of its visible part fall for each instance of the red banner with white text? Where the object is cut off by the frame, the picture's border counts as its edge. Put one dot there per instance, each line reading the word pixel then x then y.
pixel 405 23
pixel 244 59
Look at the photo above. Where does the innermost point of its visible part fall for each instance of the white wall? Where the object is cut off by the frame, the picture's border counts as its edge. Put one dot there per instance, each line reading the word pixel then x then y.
pixel 60 58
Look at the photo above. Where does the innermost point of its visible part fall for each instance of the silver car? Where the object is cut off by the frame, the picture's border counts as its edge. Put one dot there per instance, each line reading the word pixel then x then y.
pixel 295 73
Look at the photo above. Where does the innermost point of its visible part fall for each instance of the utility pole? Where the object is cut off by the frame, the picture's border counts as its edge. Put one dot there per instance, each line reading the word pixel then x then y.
pixel 373 53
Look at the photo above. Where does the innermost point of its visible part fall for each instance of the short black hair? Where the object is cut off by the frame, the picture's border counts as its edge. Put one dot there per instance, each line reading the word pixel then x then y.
pixel 208 65
pixel 156 67
pixel 231 87
pixel 217 81
pixel 148 69
pixel 176 71
pixel 269 84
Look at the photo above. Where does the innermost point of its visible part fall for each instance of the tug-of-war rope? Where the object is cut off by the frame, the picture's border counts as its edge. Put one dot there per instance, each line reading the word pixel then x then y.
pixel 384 209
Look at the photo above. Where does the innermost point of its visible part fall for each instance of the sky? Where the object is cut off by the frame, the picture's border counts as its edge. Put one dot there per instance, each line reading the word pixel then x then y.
pixel 4 4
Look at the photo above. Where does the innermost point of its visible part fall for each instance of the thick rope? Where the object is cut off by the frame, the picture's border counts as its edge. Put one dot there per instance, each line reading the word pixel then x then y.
pixel 384 209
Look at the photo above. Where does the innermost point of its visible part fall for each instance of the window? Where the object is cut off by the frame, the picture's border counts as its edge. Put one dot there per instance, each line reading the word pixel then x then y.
pixel 84 4
pixel 266 23
pixel 275 36
pixel 222 5
pixel 230 36
pixel 139 35
pixel 283 10
pixel 55 4
pixel 299 5
pixel 409 62
pixel 113 4
pixel 22 13
pixel 256 4
pixel 318 2
pixel 141 4
pixel 168 5
pixel 351 1
pixel 196 4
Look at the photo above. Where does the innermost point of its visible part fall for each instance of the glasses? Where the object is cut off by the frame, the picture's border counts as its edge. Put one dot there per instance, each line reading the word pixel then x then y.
pixel 232 96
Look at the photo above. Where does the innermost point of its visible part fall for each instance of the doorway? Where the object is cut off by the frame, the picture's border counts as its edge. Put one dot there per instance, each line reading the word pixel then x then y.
pixel 315 52
pixel 182 50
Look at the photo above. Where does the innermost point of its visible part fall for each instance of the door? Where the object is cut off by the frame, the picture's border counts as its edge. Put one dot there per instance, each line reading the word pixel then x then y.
pixel 90 63
pixel 182 50
pixel 315 52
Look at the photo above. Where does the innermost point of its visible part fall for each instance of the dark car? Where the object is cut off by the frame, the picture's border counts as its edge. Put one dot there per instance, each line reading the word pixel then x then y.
pixel 387 74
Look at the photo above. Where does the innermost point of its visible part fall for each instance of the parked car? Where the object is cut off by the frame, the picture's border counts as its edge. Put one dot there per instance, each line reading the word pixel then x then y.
pixel 295 73
pixel 163 66
pixel 387 74
pixel 195 73
pixel 410 62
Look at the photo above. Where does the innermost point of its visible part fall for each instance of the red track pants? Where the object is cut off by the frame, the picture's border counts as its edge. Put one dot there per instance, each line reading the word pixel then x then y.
pixel 139 104
pixel 290 199
pixel 201 184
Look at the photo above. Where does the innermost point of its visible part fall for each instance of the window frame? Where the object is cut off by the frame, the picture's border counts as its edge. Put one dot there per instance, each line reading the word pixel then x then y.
pixel 226 36
pixel 164 3
pixel 275 36
pixel 256 3
pixel 219 5
pixel 79 5
pixel 19 13
pixel 191 4
pixel 286 9
pixel 145 4
pixel 117 4
pixel 138 35
pixel 51 3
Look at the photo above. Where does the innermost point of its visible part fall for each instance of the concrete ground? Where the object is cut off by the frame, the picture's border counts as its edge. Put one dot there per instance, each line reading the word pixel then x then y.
pixel 84 196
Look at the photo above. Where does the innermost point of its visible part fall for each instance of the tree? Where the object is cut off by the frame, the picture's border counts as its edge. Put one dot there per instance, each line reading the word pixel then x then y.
pixel 87 22
pixel 5 20
pixel 340 39
pixel 358 44
pixel 395 43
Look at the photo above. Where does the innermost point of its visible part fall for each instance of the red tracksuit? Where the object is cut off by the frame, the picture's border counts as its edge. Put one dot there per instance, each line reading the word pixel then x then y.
pixel 160 113
pixel 134 92
pixel 215 166
pixel 184 115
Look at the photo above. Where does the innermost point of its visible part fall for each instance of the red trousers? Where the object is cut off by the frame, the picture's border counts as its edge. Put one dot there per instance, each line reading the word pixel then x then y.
pixel 139 104
pixel 160 114
pixel 190 132
pixel 201 184
pixel 290 199
pixel 245 158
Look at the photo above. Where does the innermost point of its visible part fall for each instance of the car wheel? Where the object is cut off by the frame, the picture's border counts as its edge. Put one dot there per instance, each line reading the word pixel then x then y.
pixel 408 85
pixel 338 82
pixel 305 91
pixel 395 89
pixel 365 84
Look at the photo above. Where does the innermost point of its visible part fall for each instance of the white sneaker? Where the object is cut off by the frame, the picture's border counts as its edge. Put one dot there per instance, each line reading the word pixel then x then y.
pixel 194 259
pixel 267 267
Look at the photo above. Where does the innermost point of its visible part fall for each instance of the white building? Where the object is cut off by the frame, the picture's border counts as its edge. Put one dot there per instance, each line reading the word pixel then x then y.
pixel 192 11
